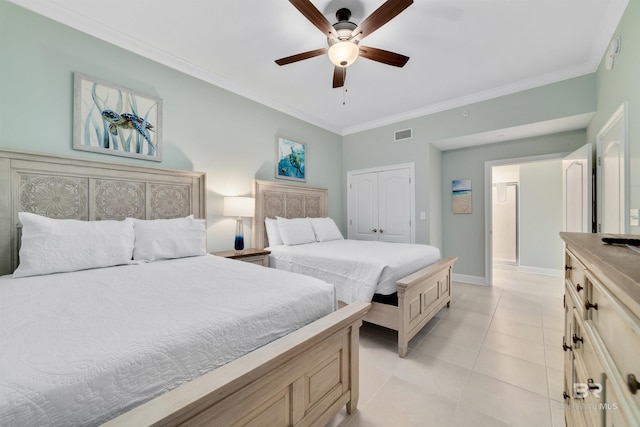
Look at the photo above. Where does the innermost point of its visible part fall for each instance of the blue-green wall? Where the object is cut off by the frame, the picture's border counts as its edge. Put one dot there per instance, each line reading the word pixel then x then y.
pixel 463 235
pixel 232 139
pixel 621 84
pixel 205 128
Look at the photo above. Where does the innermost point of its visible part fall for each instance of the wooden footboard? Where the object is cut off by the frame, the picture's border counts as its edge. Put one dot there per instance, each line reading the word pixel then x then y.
pixel 420 296
pixel 303 378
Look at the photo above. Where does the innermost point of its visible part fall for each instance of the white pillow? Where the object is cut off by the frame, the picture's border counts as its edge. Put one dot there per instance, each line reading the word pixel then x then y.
pixel 273 232
pixel 325 229
pixel 61 245
pixel 296 231
pixel 169 238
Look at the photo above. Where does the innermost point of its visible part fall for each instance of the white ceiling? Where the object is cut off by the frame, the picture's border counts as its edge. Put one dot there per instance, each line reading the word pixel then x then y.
pixel 461 51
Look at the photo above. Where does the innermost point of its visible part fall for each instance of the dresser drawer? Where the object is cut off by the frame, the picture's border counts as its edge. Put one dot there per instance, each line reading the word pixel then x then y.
pixel 616 413
pixel 586 397
pixel 619 331
pixel 575 280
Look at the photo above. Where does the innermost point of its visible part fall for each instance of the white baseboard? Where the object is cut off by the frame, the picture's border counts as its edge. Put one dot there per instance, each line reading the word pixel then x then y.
pixel 474 280
pixel 542 271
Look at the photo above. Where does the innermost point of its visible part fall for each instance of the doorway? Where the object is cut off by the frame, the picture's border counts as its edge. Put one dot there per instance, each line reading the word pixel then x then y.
pixel 505 222
pixel 523 214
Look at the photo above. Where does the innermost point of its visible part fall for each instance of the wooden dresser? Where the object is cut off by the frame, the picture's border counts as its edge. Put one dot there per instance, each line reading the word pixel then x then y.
pixel 602 332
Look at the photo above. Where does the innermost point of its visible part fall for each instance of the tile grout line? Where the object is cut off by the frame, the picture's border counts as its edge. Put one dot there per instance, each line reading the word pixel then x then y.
pixel 464 387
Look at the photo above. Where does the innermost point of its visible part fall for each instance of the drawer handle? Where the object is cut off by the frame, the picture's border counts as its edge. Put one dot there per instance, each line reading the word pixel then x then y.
pixel 633 384
pixel 566 347
pixel 577 338
pixel 568 267
pixel 588 305
pixel 578 287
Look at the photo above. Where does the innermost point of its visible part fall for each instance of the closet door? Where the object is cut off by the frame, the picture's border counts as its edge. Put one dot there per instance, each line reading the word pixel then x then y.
pixel 363 206
pixel 394 206
pixel 380 204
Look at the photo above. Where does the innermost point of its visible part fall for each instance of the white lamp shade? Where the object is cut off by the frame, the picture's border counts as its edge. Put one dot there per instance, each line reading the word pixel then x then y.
pixel 239 206
pixel 343 53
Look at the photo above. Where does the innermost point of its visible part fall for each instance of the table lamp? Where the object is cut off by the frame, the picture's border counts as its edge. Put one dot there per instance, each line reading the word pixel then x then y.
pixel 239 207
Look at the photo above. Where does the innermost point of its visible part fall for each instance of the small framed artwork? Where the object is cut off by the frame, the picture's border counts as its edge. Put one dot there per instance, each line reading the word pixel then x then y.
pixel 291 160
pixel 114 120
pixel 461 196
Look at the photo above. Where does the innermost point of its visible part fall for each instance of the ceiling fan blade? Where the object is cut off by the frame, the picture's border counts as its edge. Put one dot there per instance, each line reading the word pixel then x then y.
pixel 301 56
pixel 385 13
pixel 384 56
pixel 314 16
pixel 339 75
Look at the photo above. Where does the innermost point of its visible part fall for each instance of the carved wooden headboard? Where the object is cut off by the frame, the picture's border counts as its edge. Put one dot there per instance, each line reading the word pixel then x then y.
pixel 286 201
pixel 73 188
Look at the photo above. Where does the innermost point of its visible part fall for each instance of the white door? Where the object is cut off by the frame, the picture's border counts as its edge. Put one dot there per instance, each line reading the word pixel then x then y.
pixel 363 206
pixel 381 203
pixel 394 201
pixel 611 193
pixel 577 190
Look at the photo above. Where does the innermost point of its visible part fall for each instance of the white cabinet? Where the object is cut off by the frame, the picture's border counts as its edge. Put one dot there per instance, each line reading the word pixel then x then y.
pixel 381 204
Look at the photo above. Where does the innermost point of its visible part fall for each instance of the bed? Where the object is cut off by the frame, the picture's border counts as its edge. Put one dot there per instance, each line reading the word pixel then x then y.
pixel 86 361
pixel 422 283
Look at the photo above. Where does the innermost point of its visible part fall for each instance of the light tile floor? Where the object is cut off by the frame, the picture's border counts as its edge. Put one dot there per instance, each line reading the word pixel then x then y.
pixel 494 358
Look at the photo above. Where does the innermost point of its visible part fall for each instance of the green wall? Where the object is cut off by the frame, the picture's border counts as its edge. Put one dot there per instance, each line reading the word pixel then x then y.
pixel 463 235
pixel 541 210
pixel 621 84
pixel 232 139
pixel 205 128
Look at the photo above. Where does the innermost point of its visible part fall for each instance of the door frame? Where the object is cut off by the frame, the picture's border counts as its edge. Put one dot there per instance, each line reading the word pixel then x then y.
pixel 621 113
pixel 412 191
pixel 488 204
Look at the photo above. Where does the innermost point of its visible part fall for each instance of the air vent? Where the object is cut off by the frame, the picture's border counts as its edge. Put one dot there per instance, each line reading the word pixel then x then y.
pixel 402 135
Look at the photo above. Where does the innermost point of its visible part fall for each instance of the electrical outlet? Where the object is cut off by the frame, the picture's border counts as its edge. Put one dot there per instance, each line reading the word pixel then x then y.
pixel 423 215
pixel 634 219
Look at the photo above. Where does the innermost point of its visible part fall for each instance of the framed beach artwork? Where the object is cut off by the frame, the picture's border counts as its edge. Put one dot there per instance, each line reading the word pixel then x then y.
pixel 461 196
pixel 291 160
pixel 114 120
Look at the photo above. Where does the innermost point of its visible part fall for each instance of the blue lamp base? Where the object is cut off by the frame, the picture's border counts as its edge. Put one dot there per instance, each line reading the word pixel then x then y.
pixel 239 242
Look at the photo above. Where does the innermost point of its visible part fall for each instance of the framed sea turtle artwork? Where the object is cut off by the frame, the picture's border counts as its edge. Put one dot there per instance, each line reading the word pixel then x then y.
pixel 291 160
pixel 115 120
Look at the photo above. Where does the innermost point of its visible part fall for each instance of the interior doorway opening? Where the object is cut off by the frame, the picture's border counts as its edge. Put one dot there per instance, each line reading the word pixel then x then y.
pixel 506 230
pixel 523 214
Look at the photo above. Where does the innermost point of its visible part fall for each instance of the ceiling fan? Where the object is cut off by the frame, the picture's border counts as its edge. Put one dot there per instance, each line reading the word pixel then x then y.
pixel 344 37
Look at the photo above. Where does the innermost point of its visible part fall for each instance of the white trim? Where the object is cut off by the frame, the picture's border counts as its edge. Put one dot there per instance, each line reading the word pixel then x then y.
pixel 488 208
pixel 60 13
pixel 412 177
pixel 541 271
pixel 621 113
pixel 474 280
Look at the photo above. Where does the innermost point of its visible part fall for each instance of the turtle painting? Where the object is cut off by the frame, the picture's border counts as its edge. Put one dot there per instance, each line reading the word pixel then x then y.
pixel 127 121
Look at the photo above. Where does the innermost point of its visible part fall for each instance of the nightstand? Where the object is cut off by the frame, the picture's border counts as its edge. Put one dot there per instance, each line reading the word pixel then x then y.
pixel 254 256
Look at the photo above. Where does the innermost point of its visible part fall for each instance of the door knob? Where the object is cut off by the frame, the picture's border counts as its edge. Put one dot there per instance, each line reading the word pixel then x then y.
pixel 374 230
pixel 381 230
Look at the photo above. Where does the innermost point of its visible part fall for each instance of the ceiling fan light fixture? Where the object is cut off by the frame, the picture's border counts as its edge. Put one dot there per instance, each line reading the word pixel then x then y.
pixel 343 53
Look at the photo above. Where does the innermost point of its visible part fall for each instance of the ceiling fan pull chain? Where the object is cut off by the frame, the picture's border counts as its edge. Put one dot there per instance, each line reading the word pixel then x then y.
pixel 344 89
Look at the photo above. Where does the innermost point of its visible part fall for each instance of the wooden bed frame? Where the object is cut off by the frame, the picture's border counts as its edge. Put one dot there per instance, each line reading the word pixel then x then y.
pixel 303 378
pixel 421 295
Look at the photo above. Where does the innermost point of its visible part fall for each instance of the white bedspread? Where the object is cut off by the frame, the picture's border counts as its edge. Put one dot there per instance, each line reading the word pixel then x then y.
pixel 79 348
pixel 357 268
